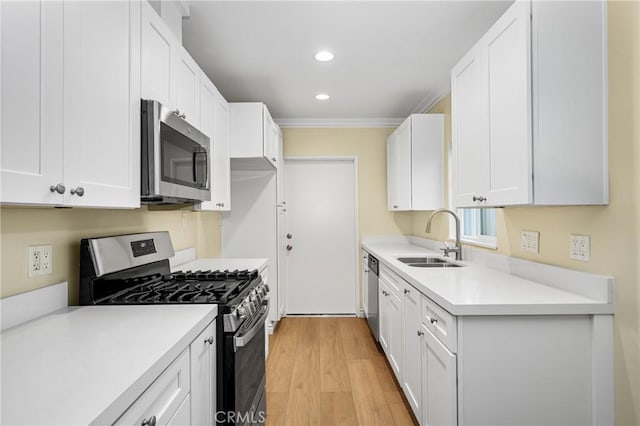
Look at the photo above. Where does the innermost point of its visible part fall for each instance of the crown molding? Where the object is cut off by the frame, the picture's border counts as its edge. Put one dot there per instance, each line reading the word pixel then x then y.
pixel 338 122
pixel 431 100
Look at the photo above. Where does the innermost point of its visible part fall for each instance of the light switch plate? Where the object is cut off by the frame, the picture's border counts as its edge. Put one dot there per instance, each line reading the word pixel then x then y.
pixel 580 247
pixel 40 260
pixel 529 241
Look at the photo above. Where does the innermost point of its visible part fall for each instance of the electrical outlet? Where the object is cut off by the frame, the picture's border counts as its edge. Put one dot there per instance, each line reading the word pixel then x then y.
pixel 580 247
pixel 529 241
pixel 40 260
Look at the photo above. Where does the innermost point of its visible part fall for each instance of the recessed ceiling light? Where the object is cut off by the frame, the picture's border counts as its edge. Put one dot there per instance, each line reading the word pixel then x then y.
pixel 322 96
pixel 324 56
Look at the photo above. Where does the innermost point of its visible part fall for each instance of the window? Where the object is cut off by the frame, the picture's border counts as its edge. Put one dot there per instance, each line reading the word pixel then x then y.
pixel 478 226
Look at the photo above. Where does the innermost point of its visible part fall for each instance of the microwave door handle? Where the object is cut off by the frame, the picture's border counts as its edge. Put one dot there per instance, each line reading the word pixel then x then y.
pixel 195 168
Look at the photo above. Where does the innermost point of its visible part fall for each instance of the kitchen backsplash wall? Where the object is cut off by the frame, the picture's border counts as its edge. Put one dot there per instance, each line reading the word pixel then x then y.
pixel 614 229
pixel 64 228
pixel 370 146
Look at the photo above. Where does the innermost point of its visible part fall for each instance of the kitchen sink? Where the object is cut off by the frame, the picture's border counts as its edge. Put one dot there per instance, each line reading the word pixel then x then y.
pixel 428 262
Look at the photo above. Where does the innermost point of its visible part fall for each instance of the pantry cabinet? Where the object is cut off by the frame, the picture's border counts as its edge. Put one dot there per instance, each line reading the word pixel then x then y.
pixel 415 164
pixel 254 136
pixel 214 122
pixel 529 109
pixel 77 58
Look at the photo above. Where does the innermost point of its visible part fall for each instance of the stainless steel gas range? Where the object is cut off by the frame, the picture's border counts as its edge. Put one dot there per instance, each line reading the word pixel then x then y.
pixel 134 269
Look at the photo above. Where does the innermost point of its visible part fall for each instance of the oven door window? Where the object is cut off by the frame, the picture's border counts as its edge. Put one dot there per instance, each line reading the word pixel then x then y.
pixel 184 161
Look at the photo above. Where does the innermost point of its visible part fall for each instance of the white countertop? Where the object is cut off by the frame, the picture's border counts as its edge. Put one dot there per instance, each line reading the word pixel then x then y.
pixel 222 264
pixel 478 290
pixel 86 365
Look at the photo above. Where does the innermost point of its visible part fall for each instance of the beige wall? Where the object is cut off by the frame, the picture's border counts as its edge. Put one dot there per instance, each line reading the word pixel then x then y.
pixel 614 229
pixel 63 229
pixel 370 146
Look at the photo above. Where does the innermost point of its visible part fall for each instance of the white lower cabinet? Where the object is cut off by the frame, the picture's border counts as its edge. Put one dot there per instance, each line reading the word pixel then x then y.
pixel 185 393
pixel 391 322
pixel 163 399
pixel 412 332
pixel 203 377
pixel 439 400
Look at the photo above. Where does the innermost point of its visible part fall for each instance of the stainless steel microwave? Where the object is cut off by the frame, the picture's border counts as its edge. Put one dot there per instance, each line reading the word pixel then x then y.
pixel 175 158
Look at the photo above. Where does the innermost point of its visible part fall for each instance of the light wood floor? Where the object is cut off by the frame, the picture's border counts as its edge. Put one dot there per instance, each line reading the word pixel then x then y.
pixel 329 371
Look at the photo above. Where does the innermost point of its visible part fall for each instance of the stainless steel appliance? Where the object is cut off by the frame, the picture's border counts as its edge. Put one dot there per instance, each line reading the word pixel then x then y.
pixel 174 157
pixel 372 284
pixel 134 269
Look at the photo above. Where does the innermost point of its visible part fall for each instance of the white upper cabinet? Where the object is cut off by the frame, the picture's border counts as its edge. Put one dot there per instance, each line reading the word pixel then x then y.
pixel 31 131
pixel 72 69
pixel 253 135
pixel 415 164
pixel 102 103
pixel 187 86
pixel 214 122
pixel 158 49
pixel 529 109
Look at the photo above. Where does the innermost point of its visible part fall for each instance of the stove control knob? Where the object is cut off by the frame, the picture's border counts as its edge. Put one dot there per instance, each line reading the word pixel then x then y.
pixel 242 312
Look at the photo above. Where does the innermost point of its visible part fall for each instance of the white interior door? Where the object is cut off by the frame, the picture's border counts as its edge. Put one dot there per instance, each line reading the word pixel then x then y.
pixel 321 219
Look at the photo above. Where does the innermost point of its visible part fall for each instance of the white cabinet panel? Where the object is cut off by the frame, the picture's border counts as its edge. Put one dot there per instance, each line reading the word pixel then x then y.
pixel 158 45
pixel 182 417
pixel 509 72
pixel 31 134
pixel 395 334
pixel 415 164
pixel 412 364
pixel 203 377
pixel 439 387
pixel 254 136
pixel 102 103
pixel 469 121
pixel 383 312
pixel 163 398
pixel 187 87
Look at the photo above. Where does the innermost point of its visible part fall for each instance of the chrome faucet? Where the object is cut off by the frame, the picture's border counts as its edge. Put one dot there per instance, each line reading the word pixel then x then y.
pixel 458 248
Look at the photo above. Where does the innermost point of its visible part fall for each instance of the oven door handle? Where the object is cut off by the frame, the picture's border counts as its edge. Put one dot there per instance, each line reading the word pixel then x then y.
pixel 240 341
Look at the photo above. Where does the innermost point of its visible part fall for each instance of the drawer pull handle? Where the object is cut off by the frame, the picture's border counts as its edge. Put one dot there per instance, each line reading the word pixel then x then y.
pixel 420 333
pixel 433 320
pixel 479 198
pixel 407 291
pixel 149 422
pixel 209 340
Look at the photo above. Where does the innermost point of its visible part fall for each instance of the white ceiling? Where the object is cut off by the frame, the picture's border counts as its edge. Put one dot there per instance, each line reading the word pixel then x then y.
pixel 392 57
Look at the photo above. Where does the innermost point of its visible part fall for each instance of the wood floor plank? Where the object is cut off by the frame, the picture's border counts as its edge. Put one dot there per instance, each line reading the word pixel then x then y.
pixel 330 371
pixel 334 375
pixel 356 339
pixel 282 355
pixel 337 409
pixel 304 393
pixel 368 397
pixel 399 409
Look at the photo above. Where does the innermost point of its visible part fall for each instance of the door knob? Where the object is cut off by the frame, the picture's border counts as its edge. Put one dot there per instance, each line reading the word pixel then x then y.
pixel 79 191
pixel 289 236
pixel 59 188
pixel 289 247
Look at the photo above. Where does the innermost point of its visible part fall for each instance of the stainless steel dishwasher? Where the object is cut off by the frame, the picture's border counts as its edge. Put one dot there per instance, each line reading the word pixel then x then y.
pixel 372 284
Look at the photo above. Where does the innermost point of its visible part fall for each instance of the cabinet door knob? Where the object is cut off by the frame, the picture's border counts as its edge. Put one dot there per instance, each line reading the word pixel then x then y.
pixel 420 333
pixel 433 320
pixel 183 116
pixel 151 421
pixel 274 159
pixel 289 247
pixel 79 191
pixel 478 198
pixel 407 291
pixel 59 188
pixel 289 236
pixel 209 340
pixel 395 207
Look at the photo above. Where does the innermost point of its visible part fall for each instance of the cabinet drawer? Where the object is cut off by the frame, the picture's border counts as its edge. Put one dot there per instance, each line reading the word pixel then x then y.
pixel 394 282
pixel 441 323
pixel 163 398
